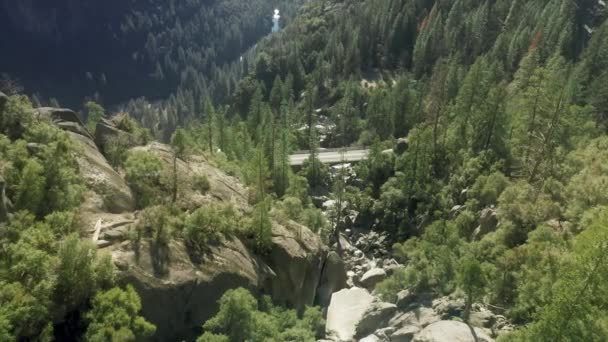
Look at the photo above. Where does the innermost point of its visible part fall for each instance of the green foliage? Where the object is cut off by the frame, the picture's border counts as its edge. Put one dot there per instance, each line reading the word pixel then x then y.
pixel 521 208
pixel 400 280
pixel 139 135
pixel 160 223
pixel 143 172
pixel 95 113
pixel 200 183
pixel 208 224
pixel 209 337
pixel 116 150
pixel 260 227
pixel 470 280
pixel 79 274
pixel 40 169
pixel 235 316
pixel 487 189
pixel 114 316
pixel 16 116
pixel 240 319
pixel 577 308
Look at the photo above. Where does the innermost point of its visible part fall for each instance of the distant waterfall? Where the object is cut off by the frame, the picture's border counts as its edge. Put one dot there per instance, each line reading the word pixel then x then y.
pixel 276 21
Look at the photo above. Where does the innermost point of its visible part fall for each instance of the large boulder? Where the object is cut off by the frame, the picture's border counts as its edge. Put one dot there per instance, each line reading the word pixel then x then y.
pixel 297 260
pixel 448 307
pixel 404 334
pixel 333 279
pixel 451 331
pixel 354 313
pixel 109 191
pixel 419 317
pixel 106 131
pixel 375 317
pixel 65 119
pixel 373 277
pixel 179 294
pixel 346 310
pixel 405 298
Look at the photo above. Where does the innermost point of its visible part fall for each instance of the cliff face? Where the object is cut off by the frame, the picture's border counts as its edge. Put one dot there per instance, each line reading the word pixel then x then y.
pixel 179 294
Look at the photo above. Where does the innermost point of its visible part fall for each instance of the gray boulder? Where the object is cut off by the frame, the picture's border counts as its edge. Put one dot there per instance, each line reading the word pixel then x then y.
pixel 371 338
pixel 333 279
pixel 297 259
pixel 451 331
pixel 179 295
pixel 65 119
pixel 405 298
pixel 385 333
pixel 106 131
pixel 375 317
pixel 448 307
pixel 114 193
pixel 405 334
pixel 346 309
pixel 419 317
pixel 373 277
pixel 483 319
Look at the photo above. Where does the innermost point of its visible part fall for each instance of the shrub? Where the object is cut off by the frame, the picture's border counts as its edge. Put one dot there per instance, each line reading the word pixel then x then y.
pixel 240 318
pixel 144 171
pixel 116 149
pixel 114 317
pixel 201 183
pixel 260 227
pixel 159 222
pixel 207 224
pixel 94 113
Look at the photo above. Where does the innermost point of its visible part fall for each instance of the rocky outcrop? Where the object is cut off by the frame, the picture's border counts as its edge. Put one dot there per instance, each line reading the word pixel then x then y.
pixel 376 317
pixel 109 191
pixel 65 119
pixel 297 260
pixel 106 131
pixel 346 310
pixel 354 313
pixel 179 295
pixel 373 277
pixel 333 279
pixel 451 331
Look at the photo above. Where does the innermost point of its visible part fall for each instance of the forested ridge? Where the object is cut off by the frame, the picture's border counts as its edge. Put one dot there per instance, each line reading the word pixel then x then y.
pixel 486 123
pixel 116 51
pixel 503 104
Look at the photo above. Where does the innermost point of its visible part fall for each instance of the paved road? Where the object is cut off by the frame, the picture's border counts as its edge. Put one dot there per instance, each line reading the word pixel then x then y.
pixel 329 157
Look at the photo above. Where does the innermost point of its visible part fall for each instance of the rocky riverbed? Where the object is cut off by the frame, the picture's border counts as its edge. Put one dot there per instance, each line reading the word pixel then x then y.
pixel 357 313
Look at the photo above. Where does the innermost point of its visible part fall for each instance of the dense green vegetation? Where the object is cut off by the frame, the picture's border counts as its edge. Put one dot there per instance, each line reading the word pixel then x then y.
pixel 47 273
pixel 498 197
pixel 504 113
pixel 242 318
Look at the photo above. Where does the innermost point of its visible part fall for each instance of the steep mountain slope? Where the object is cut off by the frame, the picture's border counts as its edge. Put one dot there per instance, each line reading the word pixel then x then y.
pixel 491 195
